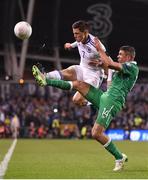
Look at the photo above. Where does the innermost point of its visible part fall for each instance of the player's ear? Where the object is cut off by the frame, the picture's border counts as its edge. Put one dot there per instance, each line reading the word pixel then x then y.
pixel 129 57
pixel 86 32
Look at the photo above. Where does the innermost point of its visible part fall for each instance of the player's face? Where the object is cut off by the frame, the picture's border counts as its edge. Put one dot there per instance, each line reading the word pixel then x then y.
pixel 79 36
pixel 123 56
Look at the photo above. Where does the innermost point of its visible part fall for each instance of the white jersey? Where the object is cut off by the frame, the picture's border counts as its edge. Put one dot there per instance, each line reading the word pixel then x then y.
pixel 87 52
pixel 85 72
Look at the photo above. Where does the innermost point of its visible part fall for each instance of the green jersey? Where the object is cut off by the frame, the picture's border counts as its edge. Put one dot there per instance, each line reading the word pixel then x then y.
pixel 111 102
pixel 123 81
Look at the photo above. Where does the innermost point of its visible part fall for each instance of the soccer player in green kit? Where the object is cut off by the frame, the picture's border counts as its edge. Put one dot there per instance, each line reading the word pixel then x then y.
pixel 108 103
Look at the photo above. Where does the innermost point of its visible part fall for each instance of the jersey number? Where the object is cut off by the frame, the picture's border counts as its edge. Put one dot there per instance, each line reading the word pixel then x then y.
pixel 83 54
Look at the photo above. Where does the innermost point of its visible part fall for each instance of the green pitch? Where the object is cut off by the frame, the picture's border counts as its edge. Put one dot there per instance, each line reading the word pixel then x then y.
pixel 73 159
pixel 4 146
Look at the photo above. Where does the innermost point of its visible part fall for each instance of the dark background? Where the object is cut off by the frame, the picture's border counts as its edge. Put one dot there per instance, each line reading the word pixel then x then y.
pixel 52 20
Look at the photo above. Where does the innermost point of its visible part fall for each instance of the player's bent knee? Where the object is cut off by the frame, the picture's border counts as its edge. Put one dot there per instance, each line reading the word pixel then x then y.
pixel 77 85
pixel 94 134
pixel 97 133
pixel 79 101
pixel 82 87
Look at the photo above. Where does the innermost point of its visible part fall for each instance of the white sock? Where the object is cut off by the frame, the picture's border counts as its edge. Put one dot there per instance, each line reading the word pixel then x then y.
pixel 88 103
pixel 106 144
pixel 71 84
pixel 54 75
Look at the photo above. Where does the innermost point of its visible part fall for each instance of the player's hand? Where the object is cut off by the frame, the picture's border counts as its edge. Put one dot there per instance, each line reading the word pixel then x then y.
pixel 96 63
pixel 67 46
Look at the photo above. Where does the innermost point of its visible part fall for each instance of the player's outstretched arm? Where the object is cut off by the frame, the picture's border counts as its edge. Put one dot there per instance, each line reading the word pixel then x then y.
pixel 70 45
pixel 67 46
pixel 106 59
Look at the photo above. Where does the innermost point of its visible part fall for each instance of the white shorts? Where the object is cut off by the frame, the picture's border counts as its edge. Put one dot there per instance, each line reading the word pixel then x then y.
pixel 92 77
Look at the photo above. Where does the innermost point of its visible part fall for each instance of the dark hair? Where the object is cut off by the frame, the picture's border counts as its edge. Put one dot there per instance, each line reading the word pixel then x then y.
pixel 81 25
pixel 129 50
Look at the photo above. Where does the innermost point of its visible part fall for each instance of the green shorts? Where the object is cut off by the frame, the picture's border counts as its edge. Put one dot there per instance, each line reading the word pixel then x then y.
pixel 108 108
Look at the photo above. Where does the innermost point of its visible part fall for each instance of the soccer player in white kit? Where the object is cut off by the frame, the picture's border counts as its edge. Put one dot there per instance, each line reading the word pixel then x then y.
pixel 85 71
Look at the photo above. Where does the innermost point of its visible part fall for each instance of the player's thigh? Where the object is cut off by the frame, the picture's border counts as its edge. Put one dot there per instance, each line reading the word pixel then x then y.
pixel 82 87
pixel 69 73
pixel 94 78
pixel 97 129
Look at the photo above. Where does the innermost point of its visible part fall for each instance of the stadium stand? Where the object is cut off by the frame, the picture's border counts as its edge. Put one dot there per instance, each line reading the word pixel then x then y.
pixel 45 113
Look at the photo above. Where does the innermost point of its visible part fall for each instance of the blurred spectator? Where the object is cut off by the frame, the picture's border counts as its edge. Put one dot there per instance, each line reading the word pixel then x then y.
pixel 2 130
pixel 2 115
pixel 66 132
pixel 138 121
pixel 32 130
pixel 36 110
pixel 41 132
pixel 56 128
pixel 15 126
pixel 83 132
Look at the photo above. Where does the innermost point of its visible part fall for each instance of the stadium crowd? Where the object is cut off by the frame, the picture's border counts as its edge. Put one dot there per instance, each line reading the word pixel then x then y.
pixel 42 114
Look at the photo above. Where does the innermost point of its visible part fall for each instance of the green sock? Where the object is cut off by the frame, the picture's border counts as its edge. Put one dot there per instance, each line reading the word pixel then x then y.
pixel 114 150
pixel 65 85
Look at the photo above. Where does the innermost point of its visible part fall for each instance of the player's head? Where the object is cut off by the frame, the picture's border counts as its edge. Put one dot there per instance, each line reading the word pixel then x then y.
pixel 80 30
pixel 126 53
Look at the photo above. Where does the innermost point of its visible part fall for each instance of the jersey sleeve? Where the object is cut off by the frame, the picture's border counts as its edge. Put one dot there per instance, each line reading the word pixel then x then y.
pixel 127 68
pixel 74 44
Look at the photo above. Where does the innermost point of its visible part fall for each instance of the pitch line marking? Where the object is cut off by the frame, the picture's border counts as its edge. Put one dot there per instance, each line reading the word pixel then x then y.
pixel 5 162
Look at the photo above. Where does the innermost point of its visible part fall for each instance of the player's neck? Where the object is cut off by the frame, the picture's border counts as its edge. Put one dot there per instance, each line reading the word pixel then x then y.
pixel 86 39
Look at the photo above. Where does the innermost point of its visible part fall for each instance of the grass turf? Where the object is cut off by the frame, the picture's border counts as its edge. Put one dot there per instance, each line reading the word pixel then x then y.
pixel 4 146
pixel 75 159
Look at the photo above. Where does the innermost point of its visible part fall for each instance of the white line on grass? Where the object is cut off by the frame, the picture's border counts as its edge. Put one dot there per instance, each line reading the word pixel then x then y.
pixel 5 162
